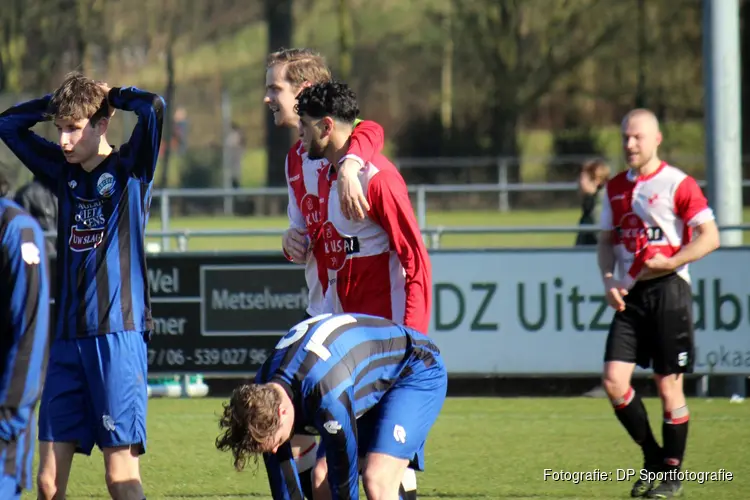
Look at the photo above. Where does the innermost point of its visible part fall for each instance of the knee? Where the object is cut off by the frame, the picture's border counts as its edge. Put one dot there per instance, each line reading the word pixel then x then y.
pixel 671 392
pixel 121 489
pixel 320 489
pixel 614 386
pixel 379 484
pixel 123 481
pixel 320 474
pixel 45 484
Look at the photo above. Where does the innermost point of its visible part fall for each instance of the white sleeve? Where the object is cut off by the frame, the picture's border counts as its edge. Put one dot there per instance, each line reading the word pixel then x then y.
pixel 296 219
pixel 605 218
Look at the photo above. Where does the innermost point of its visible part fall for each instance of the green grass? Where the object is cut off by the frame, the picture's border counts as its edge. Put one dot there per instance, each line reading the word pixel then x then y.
pixel 489 448
pixel 448 219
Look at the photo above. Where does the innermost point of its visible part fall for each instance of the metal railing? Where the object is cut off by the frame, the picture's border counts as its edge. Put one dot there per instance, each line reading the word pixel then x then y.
pixel 420 191
pixel 433 234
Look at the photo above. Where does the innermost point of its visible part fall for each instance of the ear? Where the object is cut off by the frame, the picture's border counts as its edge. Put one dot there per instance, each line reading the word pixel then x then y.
pixel 101 126
pixel 658 138
pixel 302 87
pixel 327 126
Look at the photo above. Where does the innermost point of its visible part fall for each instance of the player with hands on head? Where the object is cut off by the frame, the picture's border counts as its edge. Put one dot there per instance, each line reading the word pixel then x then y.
pixel 95 391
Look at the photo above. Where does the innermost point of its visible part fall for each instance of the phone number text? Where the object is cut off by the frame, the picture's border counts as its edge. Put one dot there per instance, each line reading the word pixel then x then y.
pixel 207 357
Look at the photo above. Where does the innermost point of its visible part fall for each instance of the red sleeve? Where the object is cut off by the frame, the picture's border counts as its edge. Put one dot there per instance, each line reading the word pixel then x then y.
pixel 690 204
pixel 391 208
pixel 367 140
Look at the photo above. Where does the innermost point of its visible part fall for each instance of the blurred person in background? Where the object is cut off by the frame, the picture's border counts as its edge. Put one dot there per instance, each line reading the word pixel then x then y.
pixel 235 146
pixel 40 203
pixel 591 181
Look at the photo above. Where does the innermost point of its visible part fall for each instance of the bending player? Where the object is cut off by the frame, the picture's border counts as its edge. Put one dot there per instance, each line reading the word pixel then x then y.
pixel 288 71
pixel 313 383
pixel 95 391
pixel 648 218
pixel 24 323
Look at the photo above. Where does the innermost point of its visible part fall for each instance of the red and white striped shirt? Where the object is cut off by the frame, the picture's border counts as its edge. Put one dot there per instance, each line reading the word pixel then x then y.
pixel 652 214
pixel 379 265
pixel 303 209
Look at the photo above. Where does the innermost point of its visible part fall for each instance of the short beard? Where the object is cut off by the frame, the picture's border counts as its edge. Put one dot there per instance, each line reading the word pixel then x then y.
pixel 316 153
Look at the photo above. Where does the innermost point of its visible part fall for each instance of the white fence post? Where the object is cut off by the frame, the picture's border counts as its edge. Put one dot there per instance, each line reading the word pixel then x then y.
pixel 164 212
pixel 502 181
pixel 421 207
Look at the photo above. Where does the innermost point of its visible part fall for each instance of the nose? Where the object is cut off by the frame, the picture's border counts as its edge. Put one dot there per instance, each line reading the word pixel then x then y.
pixel 266 99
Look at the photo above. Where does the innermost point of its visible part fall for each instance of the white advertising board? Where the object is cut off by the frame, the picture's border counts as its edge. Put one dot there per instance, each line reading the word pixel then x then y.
pixel 543 312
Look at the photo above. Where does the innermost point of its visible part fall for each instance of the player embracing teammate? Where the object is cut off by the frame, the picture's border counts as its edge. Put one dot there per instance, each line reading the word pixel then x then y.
pixel 288 72
pixel 376 264
pixel 351 224
pixel 649 216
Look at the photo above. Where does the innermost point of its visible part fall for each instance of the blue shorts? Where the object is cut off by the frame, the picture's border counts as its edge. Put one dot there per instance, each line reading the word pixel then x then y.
pixel 9 488
pixel 96 392
pixel 399 423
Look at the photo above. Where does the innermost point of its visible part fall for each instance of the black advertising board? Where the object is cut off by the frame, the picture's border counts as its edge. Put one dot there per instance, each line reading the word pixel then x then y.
pixel 220 313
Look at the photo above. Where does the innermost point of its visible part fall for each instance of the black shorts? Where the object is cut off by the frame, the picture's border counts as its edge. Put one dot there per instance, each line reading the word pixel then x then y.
pixel 656 327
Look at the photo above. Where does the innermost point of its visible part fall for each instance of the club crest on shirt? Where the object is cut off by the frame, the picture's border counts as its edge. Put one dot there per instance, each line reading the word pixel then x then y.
pixel 635 235
pixel 87 231
pixel 337 246
pixel 105 185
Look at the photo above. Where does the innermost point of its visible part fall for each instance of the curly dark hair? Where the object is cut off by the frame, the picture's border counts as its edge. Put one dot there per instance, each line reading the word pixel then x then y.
pixel 250 420
pixel 334 99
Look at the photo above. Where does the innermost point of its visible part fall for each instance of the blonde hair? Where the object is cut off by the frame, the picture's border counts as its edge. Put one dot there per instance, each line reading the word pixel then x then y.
pixel 302 65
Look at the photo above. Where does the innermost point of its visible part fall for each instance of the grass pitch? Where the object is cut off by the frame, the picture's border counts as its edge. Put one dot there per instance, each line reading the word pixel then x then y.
pixel 489 448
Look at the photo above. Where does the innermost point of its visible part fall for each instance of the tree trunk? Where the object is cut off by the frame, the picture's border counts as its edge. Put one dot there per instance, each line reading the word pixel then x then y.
pixel 446 81
pixel 640 91
pixel 168 118
pixel 346 42
pixel 278 140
